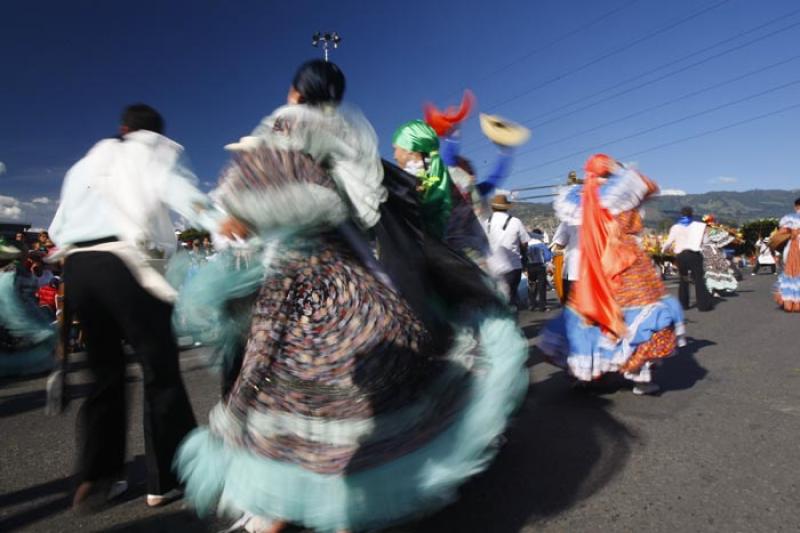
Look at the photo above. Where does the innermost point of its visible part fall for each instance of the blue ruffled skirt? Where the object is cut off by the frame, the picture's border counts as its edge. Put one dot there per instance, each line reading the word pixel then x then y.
pixel 787 292
pixel 582 348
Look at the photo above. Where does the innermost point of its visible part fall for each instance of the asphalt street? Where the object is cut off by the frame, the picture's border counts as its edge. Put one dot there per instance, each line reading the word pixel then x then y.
pixel 717 450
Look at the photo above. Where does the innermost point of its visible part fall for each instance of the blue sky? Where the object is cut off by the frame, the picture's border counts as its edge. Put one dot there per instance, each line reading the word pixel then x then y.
pixel 573 71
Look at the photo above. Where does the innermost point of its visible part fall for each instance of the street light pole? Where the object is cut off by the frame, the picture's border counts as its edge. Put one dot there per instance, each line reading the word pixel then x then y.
pixel 328 39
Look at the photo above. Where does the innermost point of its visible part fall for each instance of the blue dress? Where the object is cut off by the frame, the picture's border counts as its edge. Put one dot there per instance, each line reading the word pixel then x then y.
pixel 787 288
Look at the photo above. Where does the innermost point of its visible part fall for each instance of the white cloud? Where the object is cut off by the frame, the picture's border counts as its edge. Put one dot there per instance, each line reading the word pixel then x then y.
pixel 41 200
pixel 726 180
pixel 672 192
pixel 2 168
pixel 10 208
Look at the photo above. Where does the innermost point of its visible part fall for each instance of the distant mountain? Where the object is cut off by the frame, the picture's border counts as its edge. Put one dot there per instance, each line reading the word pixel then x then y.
pixel 729 207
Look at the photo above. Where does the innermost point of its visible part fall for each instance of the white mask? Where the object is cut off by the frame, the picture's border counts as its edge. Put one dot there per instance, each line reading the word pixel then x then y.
pixel 415 167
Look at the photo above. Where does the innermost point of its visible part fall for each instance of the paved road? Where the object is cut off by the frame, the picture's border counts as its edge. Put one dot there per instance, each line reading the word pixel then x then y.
pixel 717 450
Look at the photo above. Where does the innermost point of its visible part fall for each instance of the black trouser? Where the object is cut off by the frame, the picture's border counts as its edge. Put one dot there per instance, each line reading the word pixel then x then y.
pixel 512 279
pixel 566 285
pixel 537 286
pixel 759 265
pixel 111 306
pixel 689 261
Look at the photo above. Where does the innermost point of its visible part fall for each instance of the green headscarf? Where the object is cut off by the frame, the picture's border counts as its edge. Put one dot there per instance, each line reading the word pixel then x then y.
pixel 437 202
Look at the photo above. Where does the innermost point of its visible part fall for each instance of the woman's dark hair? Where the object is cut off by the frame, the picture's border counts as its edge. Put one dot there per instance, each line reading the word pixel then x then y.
pixel 797 201
pixel 142 117
pixel 319 82
pixel 687 211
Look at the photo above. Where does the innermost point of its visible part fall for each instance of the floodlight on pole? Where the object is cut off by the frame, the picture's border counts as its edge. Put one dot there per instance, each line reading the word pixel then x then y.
pixel 327 39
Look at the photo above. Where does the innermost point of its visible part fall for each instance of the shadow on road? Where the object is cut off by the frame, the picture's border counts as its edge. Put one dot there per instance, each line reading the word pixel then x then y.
pixel 562 447
pixel 57 495
pixel 32 400
pixel 171 522
pixel 682 371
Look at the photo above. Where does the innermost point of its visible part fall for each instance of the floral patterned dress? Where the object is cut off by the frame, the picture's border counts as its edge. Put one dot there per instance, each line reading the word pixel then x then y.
pixel 346 414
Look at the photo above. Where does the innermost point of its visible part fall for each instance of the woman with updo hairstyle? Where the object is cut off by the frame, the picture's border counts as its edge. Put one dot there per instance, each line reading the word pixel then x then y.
pixel 347 413
pixel 317 83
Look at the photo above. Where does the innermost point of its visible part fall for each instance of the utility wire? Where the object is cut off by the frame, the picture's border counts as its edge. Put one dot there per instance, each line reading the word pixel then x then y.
pixel 691 94
pixel 640 84
pixel 666 124
pixel 537 196
pixel 715 130
pixel 534 188
pixel 702 134
pixel 637 79
pixel 542 48
pixel 611 53
pixel 576 31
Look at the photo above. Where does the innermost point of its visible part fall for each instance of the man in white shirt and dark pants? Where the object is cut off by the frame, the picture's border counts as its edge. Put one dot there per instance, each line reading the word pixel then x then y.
pixel 766 257
pixel 508 242
pixel 113 226
pixel 686 239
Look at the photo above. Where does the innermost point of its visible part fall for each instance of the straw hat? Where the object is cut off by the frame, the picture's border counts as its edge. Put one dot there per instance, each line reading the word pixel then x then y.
pixel 500 202
pixel 503 131
pixel 245 144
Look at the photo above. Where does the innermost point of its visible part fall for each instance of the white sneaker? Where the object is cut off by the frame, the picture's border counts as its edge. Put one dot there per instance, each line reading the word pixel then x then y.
pixel 645 388
pixel 157 500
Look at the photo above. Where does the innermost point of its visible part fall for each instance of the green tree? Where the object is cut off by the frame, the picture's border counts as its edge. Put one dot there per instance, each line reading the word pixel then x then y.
pixel 191 234
pixel 753 231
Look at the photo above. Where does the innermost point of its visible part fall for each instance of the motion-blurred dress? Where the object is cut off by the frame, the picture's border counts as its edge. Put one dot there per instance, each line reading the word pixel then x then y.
pixel 367 394
pixel 719 274
pixel 619 316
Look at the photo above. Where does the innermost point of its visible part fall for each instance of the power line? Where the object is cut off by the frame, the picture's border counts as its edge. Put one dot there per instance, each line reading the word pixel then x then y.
pixel 671 101
pixel 534 188
pixel 666 124
pixel 706 133
pixel 715 130
pixel 612 53
pixel 541 180
pixel 576 31
pixel 563 37
pixel 637 78
pixel 641 85
pixel 536 196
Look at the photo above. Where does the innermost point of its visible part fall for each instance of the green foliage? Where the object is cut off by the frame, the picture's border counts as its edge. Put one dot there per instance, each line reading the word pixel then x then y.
pixel 192 234
pixel 753 231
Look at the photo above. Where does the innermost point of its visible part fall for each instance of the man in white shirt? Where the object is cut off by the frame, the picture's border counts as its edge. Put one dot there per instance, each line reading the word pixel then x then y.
pixel 508 242
pixel 686 239
pixel 766 257
pixel 566 237
pixel 112 224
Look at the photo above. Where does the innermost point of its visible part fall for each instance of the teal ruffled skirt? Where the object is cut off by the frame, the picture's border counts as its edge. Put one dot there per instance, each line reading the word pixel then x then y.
pixel 341 417
pixel 26 340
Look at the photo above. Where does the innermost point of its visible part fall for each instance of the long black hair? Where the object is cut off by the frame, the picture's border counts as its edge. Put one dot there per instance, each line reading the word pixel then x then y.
pixel 319 82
